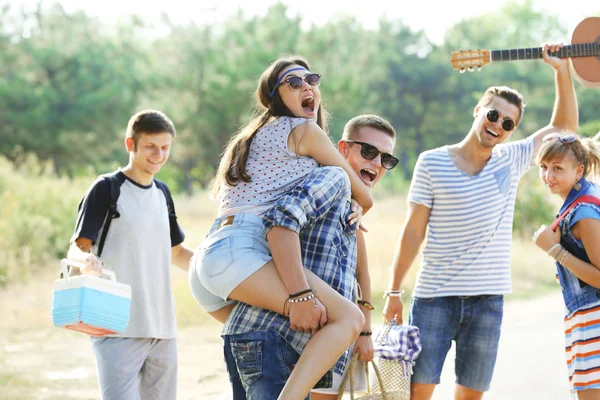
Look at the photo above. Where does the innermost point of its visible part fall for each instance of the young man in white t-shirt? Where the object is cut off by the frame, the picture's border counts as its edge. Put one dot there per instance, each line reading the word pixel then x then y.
pixel 141 243
pixel 465 194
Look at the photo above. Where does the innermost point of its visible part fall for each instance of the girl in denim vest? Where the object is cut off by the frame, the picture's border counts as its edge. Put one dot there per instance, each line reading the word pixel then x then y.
pixel 565 161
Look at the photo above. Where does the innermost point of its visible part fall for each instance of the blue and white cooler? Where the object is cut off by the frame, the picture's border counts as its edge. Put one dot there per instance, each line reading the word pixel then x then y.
pixel 90 304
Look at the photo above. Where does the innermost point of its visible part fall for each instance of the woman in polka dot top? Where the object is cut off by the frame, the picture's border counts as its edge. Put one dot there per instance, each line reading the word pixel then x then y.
pixel 264 161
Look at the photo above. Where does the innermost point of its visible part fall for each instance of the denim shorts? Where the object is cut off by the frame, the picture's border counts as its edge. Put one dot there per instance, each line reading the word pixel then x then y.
pixel 259 364
pixel 234 249
pixel 473 322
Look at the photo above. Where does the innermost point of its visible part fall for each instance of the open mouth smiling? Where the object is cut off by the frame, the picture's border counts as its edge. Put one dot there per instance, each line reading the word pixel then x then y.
pixel 308 104
pixel 368 174
pixel 492 133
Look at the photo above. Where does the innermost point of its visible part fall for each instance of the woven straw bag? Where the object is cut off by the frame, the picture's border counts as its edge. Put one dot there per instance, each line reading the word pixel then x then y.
pixel 377 392
pixel 395 375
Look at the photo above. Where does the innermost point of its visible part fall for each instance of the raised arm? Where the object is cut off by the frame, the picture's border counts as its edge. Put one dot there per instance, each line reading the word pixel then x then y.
pixel 310 140
pixel 565 115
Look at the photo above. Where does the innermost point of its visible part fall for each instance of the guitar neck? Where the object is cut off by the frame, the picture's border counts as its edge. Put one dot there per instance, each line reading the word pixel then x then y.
pixel 534 53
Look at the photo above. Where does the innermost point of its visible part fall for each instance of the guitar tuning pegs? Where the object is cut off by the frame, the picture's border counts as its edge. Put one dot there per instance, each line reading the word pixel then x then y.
pixel 471 69
pixel 462 70
pixel 479 68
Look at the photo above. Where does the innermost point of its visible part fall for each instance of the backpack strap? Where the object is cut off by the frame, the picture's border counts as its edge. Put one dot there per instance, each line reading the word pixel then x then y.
pixel 163 188
pixel 583 199
pixel 114 189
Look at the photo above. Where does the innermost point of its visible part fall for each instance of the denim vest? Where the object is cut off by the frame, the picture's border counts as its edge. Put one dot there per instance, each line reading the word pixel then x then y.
pixel 576 293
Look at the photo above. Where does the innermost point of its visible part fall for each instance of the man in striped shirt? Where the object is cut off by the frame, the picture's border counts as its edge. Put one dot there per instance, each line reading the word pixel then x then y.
pixel 465 194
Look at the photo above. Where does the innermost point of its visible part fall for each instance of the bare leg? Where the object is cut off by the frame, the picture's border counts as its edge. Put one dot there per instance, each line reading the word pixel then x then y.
pixel 321 396
pixel 222 314
pixel 421 391
pixel 590 394
pixel 265 289
pixel 464 393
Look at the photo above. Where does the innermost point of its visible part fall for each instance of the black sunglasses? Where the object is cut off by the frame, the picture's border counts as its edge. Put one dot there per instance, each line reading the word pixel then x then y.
pixel 295 82
pixel 369 152
pixel 507 123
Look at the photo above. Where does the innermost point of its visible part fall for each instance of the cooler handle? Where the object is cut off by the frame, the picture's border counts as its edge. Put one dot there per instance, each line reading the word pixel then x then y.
pixel 64 262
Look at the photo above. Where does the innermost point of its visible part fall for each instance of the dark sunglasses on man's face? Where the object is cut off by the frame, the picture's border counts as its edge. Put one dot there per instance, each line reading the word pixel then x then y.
pixel 369 152
pixel 507 123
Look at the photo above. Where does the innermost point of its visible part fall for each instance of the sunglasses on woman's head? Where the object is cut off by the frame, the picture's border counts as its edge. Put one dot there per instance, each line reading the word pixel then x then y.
pixel 570 138
pixel 507 123
pixel 295 82
pixel 369 152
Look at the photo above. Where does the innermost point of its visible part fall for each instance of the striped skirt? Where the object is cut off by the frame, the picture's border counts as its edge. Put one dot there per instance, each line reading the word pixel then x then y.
pixel 582 345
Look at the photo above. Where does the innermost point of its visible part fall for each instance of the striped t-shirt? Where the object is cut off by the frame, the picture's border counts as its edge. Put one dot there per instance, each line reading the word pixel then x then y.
pixel 467 252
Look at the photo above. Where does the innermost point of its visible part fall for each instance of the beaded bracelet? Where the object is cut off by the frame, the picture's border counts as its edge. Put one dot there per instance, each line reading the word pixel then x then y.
pixel 564 257
pixel 553 248
pixel 300 293
pixel 301 299
pixel 366 333
pixel 558 254
pixel 366 304
pixel 393 293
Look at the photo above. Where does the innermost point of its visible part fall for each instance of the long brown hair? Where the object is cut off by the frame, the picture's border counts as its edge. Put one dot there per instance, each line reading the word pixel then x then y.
pixel 585 151
pixel 232 167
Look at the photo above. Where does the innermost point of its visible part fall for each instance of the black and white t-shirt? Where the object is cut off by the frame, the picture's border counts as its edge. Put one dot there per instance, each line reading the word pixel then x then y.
pixel 138 248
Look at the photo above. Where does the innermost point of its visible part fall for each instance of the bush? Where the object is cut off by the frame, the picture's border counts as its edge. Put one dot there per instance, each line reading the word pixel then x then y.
pixel 36 218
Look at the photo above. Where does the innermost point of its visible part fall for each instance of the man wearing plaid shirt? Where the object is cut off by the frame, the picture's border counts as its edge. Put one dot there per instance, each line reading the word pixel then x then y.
pixel 314 209
pixel 256 341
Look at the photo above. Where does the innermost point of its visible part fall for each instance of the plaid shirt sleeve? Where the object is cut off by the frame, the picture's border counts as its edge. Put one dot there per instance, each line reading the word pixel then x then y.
pixel 316 209
pixel 310 201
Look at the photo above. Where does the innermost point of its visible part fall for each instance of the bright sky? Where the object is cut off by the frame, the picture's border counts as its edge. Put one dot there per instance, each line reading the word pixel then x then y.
pixel 434 16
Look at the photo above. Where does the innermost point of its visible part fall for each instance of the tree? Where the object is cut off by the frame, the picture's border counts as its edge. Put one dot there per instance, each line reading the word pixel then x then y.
pixel 68 89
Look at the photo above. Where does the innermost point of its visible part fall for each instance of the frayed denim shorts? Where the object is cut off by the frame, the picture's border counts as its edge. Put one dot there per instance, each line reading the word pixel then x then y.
pixel 472 322
pixel 234 249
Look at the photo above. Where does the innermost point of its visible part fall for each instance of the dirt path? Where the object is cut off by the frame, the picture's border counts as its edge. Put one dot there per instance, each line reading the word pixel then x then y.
pixel 50 363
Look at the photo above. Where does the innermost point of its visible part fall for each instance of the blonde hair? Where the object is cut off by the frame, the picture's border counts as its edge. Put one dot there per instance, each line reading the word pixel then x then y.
pixel 367 121
pixel 585 151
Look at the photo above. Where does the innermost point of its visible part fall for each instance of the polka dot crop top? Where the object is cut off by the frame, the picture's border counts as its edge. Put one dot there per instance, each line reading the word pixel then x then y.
pixel 272 167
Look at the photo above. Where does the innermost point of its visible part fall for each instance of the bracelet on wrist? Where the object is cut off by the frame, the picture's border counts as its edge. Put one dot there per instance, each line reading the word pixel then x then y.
pixel 366 304
pixel 564 257
pixel 300 293
pixel 393 293
pixel 558 254
pixel 302 299
pixel 366 333
pixel 551 250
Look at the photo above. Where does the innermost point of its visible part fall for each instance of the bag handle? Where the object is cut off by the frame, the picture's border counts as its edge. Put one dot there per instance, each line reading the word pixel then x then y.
pixel 350 375
pixel 111 213
pixel 64 263
pixel 583 199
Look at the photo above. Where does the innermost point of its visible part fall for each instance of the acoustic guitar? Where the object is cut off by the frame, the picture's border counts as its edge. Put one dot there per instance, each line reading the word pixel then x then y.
pixel 584 51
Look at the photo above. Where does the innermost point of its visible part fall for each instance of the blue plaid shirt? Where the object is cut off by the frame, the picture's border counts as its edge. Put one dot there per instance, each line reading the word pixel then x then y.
pixel 316 209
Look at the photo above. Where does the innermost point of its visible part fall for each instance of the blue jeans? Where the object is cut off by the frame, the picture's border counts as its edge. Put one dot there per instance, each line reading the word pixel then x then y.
pixel 473 322
pixel 259 364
